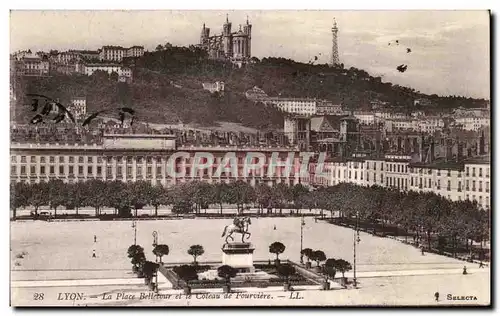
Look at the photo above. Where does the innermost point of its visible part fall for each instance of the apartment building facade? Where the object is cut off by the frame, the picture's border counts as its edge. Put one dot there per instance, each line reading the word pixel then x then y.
pixel 301 106
pixel 366 118
pixel 478 181
pixel 117 53
pixel 109 68
pixel 32 66
pixel 469 180
pixel 472 123
pixel 324 107
pixel 152 158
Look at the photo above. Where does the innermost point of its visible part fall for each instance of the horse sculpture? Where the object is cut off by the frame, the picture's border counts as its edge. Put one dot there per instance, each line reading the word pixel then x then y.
pixel 239 226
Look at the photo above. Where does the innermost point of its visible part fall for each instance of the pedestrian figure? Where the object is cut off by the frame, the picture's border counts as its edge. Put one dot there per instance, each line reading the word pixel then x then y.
pixel 95 238
pixel 465 270
pixel 422 251
pixel 274 227
pixel 436 295
pixel 93 254
pixel 481 265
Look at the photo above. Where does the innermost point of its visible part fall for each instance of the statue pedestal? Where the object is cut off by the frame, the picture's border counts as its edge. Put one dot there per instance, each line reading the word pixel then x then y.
pixel 238 255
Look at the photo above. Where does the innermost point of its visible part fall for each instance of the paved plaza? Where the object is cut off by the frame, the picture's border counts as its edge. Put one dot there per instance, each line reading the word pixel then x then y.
pixel 58 258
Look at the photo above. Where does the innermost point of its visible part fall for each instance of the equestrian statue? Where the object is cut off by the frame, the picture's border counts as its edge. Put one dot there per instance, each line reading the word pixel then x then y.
pixel 240 226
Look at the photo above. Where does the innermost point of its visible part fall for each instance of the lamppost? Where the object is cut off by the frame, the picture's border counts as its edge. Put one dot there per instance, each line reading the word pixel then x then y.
pixel 302 223
pixel 134 226
pixel 356 240
pixel 155 243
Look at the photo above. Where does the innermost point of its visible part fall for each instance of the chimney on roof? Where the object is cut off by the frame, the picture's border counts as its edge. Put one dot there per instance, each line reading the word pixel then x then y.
pixel 432 156
pixel 449 149
pixel 421 149
pixel 460 150
pixel 430 150
pixel 481 144
pixel 385 146
pixel 407 148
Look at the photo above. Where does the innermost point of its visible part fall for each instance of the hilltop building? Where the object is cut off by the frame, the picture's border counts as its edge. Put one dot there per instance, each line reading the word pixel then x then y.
pixel 117 53
pixel 233 46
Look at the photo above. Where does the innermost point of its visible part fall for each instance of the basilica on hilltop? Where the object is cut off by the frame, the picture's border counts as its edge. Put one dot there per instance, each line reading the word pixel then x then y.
pixel 233 46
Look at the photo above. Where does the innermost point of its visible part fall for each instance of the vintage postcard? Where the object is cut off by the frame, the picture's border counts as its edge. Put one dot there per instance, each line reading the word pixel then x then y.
pixel 250 158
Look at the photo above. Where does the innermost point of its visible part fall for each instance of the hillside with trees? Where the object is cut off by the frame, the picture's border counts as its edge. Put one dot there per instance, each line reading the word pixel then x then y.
pixel 167 88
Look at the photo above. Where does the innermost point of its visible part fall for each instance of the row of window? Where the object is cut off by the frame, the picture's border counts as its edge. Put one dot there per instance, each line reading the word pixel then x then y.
pixel 51 170
pixel 360 176
pixel 81 159
pixel 397 168
pixel 448 173
pixel 139 171
pixel 479 200
pixel 119 159
pixel 480 187
pixel 52 159
pixel 373 164
pixel 467 173
pixel 448 187
pixel 391 181
pixel 167 182
pixel 392 167
pixel 399 183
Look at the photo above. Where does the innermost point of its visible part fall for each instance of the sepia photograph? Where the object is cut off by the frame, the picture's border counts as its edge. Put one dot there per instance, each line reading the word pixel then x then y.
pixel 232 158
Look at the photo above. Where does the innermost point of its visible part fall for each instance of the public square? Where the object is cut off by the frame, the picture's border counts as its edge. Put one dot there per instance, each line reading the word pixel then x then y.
pixel 349 151
pixel 63 251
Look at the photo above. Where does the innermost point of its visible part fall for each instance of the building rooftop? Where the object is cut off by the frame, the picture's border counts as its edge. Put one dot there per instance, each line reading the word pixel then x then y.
pixel 483 159
pixel 103 65
pixel 441 164
pixel 349 117
pixel 403 119
pixel 32 58
pixel 113 135
pixel 363 113
pixel 317 122
pixel 113 47
pixel 333 120
pixel 336 159
pixel 290 99
pixel 329 140
pixel 83 51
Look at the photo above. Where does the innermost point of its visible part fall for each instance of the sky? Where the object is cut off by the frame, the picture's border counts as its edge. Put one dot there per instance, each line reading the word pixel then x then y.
pixel 450 50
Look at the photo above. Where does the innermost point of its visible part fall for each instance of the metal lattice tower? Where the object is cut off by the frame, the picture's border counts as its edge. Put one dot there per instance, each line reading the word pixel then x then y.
pixel 335 48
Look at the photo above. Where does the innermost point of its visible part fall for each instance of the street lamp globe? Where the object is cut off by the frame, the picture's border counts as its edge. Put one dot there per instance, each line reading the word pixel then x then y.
pixel 155 238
